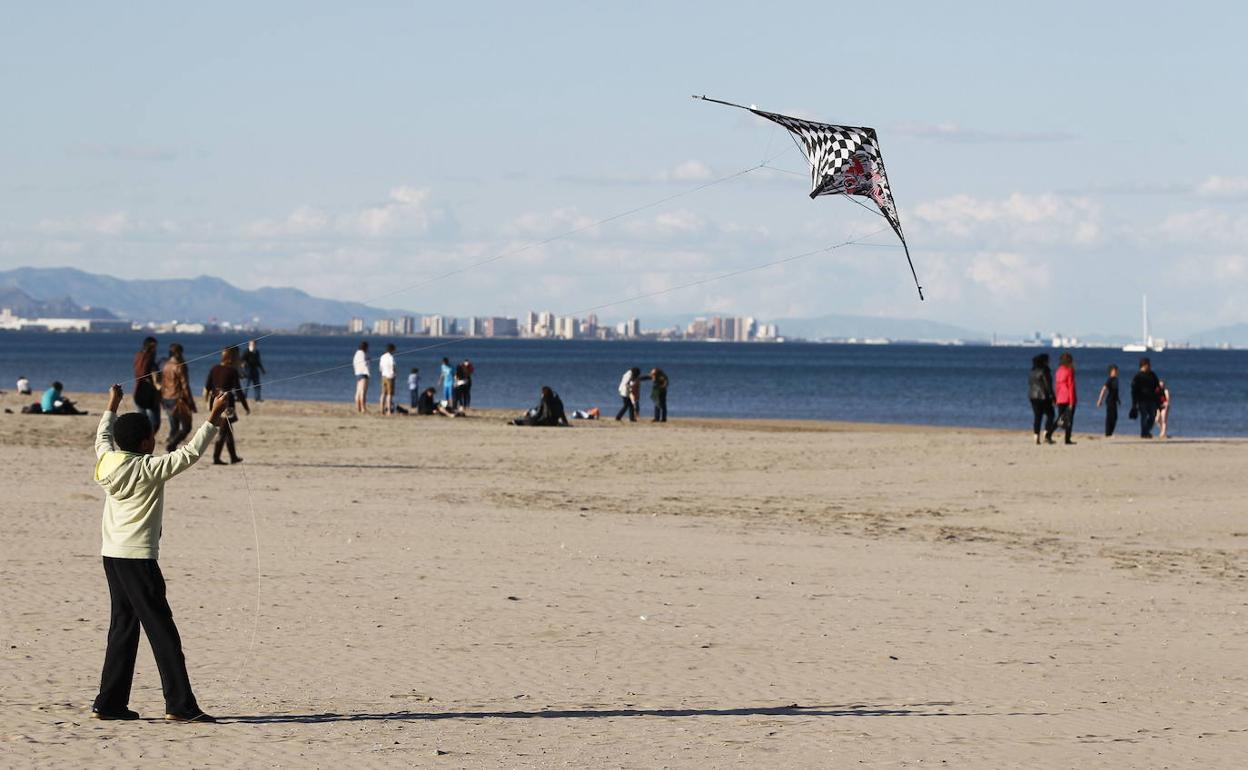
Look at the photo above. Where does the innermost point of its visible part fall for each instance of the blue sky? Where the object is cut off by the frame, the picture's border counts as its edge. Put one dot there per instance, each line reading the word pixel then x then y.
pixel 1050 163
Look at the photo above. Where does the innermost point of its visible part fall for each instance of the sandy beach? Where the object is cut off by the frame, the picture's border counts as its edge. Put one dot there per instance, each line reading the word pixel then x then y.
pixel 464 593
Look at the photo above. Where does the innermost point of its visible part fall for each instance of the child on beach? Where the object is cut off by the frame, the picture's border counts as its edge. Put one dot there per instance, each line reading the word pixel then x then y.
pixel 131 529
pixel 413 386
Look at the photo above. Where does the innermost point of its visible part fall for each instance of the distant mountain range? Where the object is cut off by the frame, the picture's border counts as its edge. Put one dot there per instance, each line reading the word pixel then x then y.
pixel 202 299
pixel 26 306
pixel 71 293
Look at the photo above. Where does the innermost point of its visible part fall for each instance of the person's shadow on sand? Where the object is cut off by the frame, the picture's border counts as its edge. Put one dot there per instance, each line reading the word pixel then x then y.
pixel 854 710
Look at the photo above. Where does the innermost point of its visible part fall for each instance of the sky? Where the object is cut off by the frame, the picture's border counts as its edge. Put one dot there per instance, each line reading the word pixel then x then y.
pixel 1051 163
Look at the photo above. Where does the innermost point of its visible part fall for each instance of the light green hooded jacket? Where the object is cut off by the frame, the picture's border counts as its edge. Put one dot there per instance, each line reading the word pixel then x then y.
pixel 135 484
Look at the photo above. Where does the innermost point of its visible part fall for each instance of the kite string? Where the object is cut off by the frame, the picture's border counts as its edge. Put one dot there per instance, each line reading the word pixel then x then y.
pixel 632 298
pixel 255 531
pixel 535 244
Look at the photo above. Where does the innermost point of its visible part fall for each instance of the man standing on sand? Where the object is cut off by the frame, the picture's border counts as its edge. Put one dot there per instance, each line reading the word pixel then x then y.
pixel 1144 389
pixel 385 367
pixel 134 481
pixel 253 368
pixel 1109 397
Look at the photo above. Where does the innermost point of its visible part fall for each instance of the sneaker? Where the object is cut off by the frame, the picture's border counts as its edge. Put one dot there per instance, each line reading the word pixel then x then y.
pixel 199 717
pixel 235 460
pixel 123 714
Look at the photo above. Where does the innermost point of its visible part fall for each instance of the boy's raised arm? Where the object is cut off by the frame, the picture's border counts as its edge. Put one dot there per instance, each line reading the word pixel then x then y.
pixel 104 433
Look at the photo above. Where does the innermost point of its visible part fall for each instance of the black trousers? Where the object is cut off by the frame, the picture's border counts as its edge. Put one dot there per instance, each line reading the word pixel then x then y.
pixel 137 590
pixel 1111 418
pixel 660 406
pixel 1042 408
pixel 225 440
pixel 1148 416
pixel 628 409
pixel 1066 418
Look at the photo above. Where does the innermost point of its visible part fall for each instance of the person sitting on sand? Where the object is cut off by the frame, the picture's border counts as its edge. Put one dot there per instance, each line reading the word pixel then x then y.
pixel 548 412
pixel 23 386
pixel 134 481
pixel 428 404
pixel 54 402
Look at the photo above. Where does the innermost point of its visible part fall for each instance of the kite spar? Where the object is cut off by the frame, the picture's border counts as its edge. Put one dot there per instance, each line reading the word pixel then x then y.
pixel 844 160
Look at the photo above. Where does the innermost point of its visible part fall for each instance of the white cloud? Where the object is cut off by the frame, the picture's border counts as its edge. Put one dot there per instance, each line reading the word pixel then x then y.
pixel 406 210
pixel 1006 275
pixel 1020 217
pixel 544 225
pixel 1208 226
pixel 1223 187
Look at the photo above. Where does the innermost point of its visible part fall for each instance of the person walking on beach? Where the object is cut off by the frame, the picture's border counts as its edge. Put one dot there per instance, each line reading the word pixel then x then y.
pixel 1163 408
pixel 1066 394
pixel 1040 391
pixel 222 380
pixel 463 385
pixel 146 384
pixel 1144 391
pixel 134 481
pixel 658 394
pixel 176 397
pixel 253 368
pixel 360 364
pixel 385 368
pixel 413 386
pixel 1109 398
pixel 447 381
pixel 630 390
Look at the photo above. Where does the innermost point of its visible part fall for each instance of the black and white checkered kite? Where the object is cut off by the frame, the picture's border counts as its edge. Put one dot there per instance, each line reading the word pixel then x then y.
pixel 844 160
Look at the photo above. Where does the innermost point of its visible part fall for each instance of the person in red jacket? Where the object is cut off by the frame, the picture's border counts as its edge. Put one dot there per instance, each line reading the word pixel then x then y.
pixel 1066 394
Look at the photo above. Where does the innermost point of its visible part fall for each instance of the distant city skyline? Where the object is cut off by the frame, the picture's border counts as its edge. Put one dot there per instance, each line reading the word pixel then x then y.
pixel 1047 173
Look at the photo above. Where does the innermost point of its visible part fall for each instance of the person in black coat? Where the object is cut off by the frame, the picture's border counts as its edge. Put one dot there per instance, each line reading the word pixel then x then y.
pixel 1145 397
pixel 1109 397
pixel 548 412
pixel 1040 391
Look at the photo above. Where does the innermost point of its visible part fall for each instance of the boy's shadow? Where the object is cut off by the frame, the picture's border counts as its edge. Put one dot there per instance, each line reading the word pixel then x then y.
pixel 794 710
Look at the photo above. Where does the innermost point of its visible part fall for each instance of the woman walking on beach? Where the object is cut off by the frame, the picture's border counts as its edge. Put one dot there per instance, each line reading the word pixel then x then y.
pixel 223 379
pixel 1066 394
pixel 1109 397
pixel 1040 391
pixel 360 364
pixel 176 397
pixel 146 390
pixel 1163 408
pixel 658 394
pixel 252 368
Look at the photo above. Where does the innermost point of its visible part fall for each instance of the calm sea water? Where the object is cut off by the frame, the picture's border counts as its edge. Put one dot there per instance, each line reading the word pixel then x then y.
pixel 954 386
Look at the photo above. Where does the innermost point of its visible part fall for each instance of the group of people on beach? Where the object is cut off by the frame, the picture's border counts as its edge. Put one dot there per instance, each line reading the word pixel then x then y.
pixel 165 386
pixel 630 394
pixel 1054 399
pixel 451 397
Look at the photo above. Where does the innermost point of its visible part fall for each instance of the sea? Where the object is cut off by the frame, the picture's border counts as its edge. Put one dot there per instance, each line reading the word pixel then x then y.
pixel 948 385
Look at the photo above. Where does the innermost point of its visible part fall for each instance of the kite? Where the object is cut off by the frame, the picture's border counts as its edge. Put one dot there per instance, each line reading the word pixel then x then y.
pixel 844 160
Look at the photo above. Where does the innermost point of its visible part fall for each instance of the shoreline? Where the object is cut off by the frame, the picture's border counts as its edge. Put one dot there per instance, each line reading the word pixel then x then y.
pixel 94 402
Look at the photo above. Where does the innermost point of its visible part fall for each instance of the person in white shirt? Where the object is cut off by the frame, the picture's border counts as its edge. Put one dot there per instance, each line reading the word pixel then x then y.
pixel 413 385
pixel 23 386
pixel 385 367
pixel 360 362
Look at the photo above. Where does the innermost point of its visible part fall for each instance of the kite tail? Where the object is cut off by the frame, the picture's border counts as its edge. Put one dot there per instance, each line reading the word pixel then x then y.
pixel 912 272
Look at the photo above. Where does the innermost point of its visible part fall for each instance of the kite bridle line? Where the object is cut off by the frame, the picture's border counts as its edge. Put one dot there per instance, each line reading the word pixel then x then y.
pixel 905 246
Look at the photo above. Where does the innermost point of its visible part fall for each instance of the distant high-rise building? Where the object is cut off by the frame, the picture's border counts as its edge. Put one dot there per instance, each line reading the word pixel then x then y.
pixel 474 326
pixel 436 325
pixel 356 326
pixel 632 328
pixel 565 327
pixel 383 326
pixel 496 326
pixel 744 331
pixel 407 326
pixel 530 324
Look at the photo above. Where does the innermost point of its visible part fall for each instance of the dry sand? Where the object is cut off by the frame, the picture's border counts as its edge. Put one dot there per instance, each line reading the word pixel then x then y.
pixel 462 593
